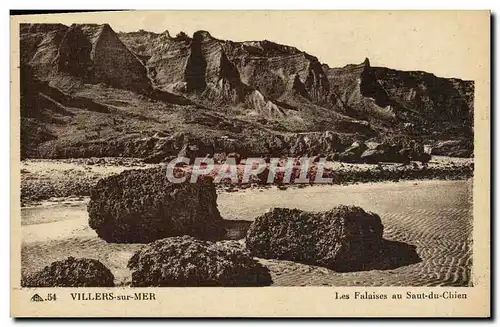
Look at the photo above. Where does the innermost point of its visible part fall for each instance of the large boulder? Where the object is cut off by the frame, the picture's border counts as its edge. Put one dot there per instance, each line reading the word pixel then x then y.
pixel 374 145
pixel 454 148
pixel 357 147
pixel 187 261
pixel 143 205
pixel 95 54
pixel 388 153
pixel 373 156
pixel 71 272
pixel 343 239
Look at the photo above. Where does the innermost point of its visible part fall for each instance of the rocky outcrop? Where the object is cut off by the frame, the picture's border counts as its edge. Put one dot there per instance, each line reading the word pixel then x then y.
pixel 89 52
pixel 394 98
pixel 343 238
pixel 156 149
pixel 95 53
pixel 71 272
pixel 373 156
pixel 353 93
pixel 140 206
pixel 39 45
pixel 280 76
pixel 235 72
pixel 186 261
pixel 353 153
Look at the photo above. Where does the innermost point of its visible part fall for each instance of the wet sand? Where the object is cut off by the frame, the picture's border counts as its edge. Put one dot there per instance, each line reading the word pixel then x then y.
pixel 433 216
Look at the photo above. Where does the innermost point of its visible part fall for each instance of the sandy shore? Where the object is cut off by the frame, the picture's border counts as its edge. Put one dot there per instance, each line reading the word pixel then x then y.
pixel 44 179
pixel 433 216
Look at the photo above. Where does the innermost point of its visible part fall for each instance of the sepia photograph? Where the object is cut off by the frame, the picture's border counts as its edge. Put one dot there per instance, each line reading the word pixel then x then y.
pixel 160 152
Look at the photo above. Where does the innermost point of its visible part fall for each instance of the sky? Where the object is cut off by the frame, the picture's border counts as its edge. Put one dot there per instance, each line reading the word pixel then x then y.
pixel 447 44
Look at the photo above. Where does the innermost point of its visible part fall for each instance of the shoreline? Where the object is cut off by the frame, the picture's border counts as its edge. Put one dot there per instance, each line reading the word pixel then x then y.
pixel 63 179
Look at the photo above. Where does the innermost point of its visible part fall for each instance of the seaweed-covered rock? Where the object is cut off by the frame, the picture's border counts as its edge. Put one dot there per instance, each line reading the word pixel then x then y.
pixel 187 261
pixel 143 205
pixel 388 153
pixel 71 272
pixel 342 239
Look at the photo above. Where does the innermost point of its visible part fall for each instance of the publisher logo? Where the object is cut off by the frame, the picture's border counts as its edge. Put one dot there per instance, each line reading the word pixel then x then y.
pixel 36 298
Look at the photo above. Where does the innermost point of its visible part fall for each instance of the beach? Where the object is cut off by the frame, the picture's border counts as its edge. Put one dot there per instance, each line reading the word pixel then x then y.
pixel 430 217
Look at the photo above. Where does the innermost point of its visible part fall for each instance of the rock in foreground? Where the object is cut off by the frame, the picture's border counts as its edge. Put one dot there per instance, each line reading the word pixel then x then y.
pixel 71 273
pixel 143 206
pixel 186 261
pixel 342 239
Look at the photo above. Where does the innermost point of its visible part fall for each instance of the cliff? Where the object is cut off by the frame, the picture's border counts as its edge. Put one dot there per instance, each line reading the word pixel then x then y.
pixel 122 89
pixel 91 53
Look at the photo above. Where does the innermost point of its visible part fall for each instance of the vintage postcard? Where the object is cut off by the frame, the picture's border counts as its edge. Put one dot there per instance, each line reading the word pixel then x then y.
pixel 250 164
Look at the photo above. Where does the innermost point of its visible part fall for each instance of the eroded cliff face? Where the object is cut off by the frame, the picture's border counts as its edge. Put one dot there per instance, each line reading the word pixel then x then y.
pixel 209 70
pixel 39 44
pixel 279 71
pixel 263 74
pixel 95 53
pixel 197 66
pixel 434 99
pixel 249 92
pixel 90 53
pixel 429 104
pixel 355 92
pixel 283 81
